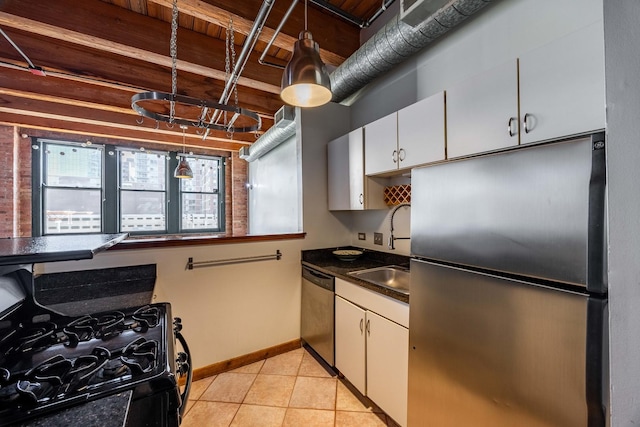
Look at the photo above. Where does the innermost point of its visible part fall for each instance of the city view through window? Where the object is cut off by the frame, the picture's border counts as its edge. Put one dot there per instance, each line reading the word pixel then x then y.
pixel 73 191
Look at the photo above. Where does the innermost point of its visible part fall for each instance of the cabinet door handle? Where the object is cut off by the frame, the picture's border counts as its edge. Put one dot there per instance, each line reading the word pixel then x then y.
pixel 361 198
pixel 394 156
pixel 361 325
pixel 368 327
pixel 401 154
pixel 510 127
pixel 527 129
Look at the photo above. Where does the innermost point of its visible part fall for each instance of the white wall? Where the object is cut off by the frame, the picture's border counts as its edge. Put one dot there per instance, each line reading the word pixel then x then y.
pixel 622 73
pixel 316 127
pixel 227 311
pixel 275 184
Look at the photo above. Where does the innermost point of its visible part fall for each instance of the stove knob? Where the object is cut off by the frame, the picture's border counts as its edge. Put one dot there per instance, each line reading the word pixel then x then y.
pixel 182 357
pixel 183 368
pixel 177 324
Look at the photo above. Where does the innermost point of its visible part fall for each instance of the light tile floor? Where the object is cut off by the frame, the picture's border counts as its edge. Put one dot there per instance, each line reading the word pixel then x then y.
pixel 291 389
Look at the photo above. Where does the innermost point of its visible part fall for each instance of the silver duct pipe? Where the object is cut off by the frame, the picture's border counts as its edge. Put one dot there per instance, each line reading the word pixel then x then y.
pixel 394 43
pixel 270 140
pixel 391 45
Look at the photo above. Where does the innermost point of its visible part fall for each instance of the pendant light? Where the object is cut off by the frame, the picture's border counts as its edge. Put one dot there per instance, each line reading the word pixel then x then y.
pixel 305 81
pixel 183 170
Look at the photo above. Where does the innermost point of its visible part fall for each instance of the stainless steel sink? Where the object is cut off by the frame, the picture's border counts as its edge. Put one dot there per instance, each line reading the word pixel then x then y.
pixel 392 276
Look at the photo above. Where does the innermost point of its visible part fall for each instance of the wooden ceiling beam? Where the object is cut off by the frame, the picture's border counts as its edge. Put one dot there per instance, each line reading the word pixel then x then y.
pixel 332 33
pixel 243 23
pixel 73 128
pixel 79 93
pixel 120 124
pixel 111 71
pixel 126 33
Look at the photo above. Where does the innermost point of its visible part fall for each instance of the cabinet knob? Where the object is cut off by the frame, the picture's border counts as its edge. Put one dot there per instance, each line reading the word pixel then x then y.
pixel 361 198
pixel 394 156
pixel 527 122
pixel 361 325
pixel 368 327
pixel 510 127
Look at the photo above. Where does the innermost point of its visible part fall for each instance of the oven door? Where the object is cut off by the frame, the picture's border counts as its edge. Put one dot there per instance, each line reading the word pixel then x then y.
pixel 160 403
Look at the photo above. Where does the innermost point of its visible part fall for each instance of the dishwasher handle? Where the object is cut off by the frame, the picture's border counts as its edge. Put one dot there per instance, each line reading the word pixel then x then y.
pixel 317 278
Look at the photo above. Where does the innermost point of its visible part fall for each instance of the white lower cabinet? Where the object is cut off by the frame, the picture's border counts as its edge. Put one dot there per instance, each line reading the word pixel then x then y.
pixel 387 365
pixel 371 351
pixel 350 344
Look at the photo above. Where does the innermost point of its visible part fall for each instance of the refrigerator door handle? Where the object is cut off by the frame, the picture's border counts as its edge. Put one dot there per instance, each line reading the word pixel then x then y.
pixel 596 247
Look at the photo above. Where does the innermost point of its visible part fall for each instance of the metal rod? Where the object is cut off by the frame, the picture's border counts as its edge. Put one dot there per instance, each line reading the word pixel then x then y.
pixel 15 46
pixel 385 5
pixel 248 46
pixel 38 71
pixel 341 13
pixel 275 34
pixel 200 264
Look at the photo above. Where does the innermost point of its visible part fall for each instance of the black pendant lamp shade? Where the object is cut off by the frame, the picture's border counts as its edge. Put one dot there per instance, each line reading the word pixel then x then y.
pixel 305 81
pixel 183 170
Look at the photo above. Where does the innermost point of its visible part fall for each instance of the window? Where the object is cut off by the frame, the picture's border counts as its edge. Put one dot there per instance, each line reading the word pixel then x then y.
pixel 142 189
pixel 199 196
pixel 71 189
pixel 80 188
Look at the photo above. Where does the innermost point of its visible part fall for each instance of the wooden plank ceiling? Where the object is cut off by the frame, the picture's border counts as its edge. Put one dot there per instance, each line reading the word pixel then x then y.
pixel 98 53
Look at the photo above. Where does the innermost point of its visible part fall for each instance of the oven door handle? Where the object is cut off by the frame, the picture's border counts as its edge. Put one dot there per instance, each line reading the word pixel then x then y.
pixel 187 388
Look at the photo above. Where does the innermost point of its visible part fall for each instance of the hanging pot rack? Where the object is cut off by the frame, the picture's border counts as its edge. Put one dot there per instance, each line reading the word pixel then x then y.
pixel 202 104
pixel 202 120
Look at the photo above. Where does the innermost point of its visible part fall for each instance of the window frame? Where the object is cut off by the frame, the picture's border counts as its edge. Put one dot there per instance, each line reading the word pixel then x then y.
pixel 110 190
pixel 39 173
pixel 119 190
pixel 220 192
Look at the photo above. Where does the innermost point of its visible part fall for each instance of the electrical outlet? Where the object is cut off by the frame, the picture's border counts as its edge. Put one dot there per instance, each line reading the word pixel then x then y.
pixel 362 236
pixel 377 239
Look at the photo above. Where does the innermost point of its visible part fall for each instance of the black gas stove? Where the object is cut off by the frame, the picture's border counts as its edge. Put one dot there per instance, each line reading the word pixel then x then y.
pixel 50 362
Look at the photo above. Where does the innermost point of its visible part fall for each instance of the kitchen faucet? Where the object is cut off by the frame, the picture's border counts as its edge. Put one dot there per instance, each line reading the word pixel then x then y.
pixel 392 239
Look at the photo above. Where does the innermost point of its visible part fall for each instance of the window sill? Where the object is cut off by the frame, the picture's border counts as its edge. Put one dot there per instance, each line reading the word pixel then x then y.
pixel 164 241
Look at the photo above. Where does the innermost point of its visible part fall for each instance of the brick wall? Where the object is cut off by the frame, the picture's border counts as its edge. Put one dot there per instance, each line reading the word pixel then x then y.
pixel 235 177
pixel 15 183
pixel 239 172
pixel 24 186
pixel 6 181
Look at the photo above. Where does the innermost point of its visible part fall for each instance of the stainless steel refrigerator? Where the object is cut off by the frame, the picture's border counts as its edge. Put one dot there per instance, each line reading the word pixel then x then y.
pixel 508 289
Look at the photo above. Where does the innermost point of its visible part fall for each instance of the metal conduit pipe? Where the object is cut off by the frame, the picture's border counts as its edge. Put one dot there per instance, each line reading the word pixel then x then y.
pixel 394 43
pixel 391 45
pixel 248 46
pixel 270 140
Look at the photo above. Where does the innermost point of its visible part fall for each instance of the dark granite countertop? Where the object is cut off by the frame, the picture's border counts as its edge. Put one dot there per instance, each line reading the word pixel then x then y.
pixel 29 250
pixel 323 260
pixel 109 411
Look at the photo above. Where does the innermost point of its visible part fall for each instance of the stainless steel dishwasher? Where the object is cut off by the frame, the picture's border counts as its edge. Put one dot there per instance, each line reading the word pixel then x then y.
pixel 316 326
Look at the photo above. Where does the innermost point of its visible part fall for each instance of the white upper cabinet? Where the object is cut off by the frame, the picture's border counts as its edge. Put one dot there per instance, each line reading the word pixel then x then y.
pixel 551 92
pixel 562 89
pixel 381 145
pixel 482 112
pixel 413 136
pixel 421 136
pixel 348 188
